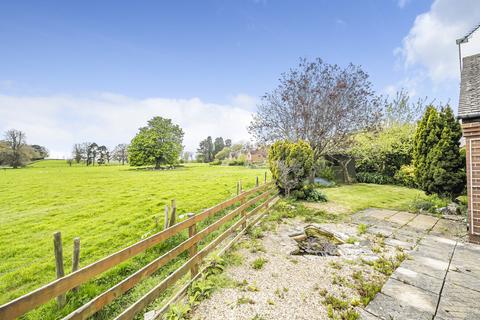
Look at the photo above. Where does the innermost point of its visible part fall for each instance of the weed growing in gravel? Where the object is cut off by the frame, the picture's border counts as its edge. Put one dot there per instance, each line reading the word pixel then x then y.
pixel 376 249
pixel 352 240
pixel 339 309
pixel 201 289
pixel 280 293
pixel 245 300
pixel 255 232
pixel 178 311
pixel 335 265
pixel 366 289
pixel 362 228
pixel 339 280
pixel 387 265
pixel 258 317
pixel 258 263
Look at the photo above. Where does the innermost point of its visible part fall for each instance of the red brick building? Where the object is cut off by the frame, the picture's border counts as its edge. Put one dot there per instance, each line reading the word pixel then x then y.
pixel 469 113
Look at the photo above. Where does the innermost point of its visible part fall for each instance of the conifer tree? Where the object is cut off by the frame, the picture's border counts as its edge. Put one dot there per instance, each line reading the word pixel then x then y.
pixel 436 158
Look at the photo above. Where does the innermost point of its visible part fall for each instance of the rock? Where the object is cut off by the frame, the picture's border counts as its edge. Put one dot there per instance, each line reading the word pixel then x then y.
pixel 454 208
pixel 451 209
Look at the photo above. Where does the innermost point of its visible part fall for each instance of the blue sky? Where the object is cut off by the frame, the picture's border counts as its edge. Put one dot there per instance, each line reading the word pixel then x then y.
pixel 72 64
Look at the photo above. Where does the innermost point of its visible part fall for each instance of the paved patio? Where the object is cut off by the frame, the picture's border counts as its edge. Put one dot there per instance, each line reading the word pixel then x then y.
pixel 441 280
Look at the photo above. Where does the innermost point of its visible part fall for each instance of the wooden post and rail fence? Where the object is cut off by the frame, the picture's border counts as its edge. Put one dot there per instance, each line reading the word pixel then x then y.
pixel 259 198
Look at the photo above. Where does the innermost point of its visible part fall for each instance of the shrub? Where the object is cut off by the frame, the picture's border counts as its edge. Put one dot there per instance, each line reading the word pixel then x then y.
pixel 374 177
pixel 216 163
pixel 309 193
pixel 291 164
pixel 237 163
pixel 406 176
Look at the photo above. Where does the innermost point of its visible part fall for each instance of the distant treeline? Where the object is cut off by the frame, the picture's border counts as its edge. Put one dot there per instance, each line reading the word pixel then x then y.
pixel 91 153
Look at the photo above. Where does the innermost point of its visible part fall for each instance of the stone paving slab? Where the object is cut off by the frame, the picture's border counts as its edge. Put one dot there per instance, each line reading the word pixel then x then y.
pixel 417 279
pixel 458 303
pixel 433 240
pixel 466 262
pixel 385 231
pixel 386 307
pixel 398 243
pixel 410 295
pixel 423 222
pixel 401 218
pixel 439 253
pixel 463 279
pixel 449 229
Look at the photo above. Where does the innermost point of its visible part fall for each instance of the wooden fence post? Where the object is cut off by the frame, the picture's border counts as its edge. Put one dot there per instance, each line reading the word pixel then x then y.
pixel 173 214
pixel 165 224
pixel 57 244
pixel 192 230
pixel 76 257
pixel 238 188
pixel 265 177
pixel 256 181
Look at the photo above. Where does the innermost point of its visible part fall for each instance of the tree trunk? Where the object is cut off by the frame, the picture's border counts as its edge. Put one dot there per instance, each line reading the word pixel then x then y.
pixel 157 164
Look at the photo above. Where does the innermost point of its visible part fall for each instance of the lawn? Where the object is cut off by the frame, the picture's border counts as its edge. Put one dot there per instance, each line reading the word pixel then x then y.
pixel 360 196
pixel 108 207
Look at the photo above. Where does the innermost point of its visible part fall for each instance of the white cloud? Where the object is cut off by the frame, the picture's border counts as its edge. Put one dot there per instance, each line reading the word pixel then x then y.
pixel 58 121
pixel 430 43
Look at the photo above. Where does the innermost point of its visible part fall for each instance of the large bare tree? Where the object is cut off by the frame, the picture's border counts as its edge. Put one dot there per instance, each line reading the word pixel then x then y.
pixel 17 151
pixel 320 103
pixel 120 153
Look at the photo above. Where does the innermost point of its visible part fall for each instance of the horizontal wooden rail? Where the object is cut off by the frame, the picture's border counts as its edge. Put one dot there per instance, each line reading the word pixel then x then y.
pixel 114 292
pixel 55 288
pixel 155 292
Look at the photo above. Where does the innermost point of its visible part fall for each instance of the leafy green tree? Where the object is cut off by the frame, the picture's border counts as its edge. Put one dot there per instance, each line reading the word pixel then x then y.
pixel 291 164
pixel 205 150
pixel 92 151
pixel 218 145
pixel 159 143
pixel 439 167
pixel 228 143
pixel 223 154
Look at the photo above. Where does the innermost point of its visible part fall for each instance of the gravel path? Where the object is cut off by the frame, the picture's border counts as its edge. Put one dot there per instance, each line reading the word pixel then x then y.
pixel 287 287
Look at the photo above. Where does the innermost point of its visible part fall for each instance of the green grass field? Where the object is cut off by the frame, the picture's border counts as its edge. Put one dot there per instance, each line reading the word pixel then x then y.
pixel 108 207
pixel 111 207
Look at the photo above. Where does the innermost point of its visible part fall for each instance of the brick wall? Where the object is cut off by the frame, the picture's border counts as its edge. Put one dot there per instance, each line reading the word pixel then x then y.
pixel 471 132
